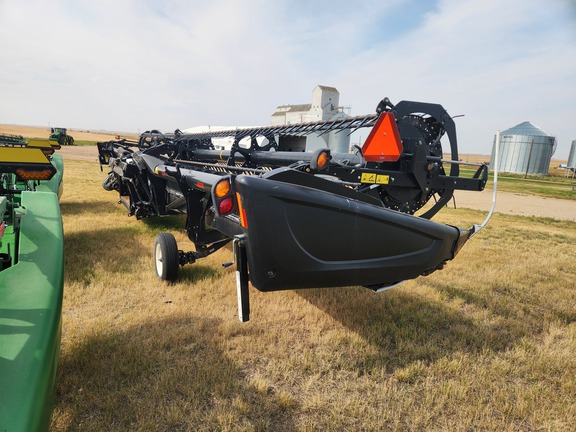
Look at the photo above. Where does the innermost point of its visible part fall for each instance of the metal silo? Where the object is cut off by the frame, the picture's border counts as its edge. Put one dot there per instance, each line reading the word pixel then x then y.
pixel 572 156
pixel 525 149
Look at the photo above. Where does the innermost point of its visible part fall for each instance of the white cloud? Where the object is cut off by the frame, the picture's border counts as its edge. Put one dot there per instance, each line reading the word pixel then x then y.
pixel 130 65
pixel 499 63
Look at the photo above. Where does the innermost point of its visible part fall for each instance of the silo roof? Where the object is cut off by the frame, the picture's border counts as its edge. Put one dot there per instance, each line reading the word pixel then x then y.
pixel 525 128
pixel 323 87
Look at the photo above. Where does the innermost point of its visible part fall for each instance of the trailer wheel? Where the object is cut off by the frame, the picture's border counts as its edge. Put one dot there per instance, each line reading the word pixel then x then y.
pixel 166 257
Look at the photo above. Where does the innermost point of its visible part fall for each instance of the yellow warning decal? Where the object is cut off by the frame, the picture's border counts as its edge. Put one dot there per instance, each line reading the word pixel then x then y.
pixel 382 179
pixel 374 178
pixel 368 178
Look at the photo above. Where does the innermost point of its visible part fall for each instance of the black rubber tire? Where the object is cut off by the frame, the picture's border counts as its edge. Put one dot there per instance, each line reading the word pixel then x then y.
pixel 166 260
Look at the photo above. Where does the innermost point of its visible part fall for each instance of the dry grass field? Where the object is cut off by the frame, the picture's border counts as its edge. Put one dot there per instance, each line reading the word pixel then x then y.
pixel 487 343
pixel 40 132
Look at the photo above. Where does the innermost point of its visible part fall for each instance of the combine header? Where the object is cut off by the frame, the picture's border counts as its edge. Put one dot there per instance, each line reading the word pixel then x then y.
pixel 31 283
pixel 10 139
pixel 303 219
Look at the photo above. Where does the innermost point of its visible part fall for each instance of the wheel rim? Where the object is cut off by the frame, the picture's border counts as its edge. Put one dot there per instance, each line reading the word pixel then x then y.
pixel 159 263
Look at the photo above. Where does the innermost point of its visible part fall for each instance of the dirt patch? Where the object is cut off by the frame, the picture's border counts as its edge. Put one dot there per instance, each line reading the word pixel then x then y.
pixel 84 153
pixel 517 204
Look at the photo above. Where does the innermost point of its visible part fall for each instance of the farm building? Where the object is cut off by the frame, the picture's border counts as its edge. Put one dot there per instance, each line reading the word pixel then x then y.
pixel 324 106
pixel 525 149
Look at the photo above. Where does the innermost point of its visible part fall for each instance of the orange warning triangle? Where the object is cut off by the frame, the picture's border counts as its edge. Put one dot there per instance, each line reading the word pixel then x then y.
pixel 384 143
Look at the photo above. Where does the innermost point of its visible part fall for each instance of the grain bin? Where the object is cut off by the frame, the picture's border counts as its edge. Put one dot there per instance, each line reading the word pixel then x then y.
pixel 525 149
pixel 572 156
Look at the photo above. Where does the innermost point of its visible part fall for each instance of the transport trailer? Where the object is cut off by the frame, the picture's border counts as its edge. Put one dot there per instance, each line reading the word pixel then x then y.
pixel 303 219
pixel 31 284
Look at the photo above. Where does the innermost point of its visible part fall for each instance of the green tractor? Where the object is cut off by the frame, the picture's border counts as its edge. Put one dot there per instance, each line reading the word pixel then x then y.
pixel 60 135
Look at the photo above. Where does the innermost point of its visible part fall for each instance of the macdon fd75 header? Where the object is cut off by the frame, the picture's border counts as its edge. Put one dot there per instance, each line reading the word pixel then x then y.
pixel 302 219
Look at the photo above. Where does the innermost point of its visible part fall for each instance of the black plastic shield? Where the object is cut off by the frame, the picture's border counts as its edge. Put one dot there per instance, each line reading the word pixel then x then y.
pixel 303 237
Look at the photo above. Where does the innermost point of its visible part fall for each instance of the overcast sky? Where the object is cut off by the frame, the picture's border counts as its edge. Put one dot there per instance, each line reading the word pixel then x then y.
pixel 128 65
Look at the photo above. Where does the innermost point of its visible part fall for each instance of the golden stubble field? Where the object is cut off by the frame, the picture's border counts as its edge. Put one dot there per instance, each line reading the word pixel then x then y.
pixel 40 132
pixel 486 344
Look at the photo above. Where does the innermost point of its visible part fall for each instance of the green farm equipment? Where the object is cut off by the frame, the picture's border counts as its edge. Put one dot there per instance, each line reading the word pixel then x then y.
pixel 61 135
pixel 9 139
pixel 31 283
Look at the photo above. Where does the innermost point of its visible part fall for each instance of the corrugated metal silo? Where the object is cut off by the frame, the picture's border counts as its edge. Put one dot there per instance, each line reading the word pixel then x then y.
pixel 572 156
pixel 524 149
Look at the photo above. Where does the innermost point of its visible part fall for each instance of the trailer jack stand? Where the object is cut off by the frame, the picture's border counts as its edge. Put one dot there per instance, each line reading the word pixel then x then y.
pixel 242 278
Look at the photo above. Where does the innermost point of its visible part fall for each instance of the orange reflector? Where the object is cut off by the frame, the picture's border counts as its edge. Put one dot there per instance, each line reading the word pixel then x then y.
pixel 384 143
pixel 34 175
pixel 243 220
pixel 322 160
pixel 222 188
